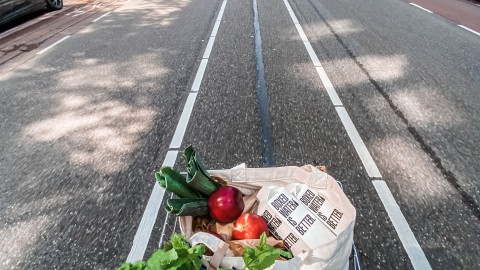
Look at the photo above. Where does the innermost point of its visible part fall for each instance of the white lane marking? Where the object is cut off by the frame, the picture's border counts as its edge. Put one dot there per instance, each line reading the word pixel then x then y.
pixel 97 19
pixel 413 249
pixel 302 34
pixel 220 14
pixel 468 29
pixel 150 213
pixel 415 5
pixel 209 47
pixel 358 143
pixel 215 28
pixel 51 46
pixel 144 230
pixel 329 87
pixel 294 18
pixel 312 54
pixel 199 76
pixel 183 122
pixel 409 242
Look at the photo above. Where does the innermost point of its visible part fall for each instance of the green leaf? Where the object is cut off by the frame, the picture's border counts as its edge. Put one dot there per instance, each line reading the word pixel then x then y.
pixel 175 255
pixel 263 255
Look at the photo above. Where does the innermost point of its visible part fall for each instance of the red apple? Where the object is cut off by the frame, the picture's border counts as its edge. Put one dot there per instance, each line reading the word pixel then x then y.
pixel 225 204
pixel 249 226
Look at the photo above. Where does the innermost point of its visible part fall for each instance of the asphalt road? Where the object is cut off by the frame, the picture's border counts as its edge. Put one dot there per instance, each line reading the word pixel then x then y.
pixel 86 123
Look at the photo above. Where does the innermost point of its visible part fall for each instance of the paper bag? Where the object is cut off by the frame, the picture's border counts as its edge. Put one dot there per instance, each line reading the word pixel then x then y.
pixel 331 255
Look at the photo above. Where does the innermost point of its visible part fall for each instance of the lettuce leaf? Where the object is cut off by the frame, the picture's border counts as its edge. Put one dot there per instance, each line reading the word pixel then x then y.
pixel 175 255
pixel 263 256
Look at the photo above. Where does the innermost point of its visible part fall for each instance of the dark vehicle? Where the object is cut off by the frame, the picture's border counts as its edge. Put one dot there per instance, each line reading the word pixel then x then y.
pixel 12 9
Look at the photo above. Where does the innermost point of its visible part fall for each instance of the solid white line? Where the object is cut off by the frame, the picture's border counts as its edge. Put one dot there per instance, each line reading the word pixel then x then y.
pixel 49 47
pixel 415 5
pixel 149 215
pixel 183 122
pixel 208 49
pixel 358 143
pixel 199 76
pixel 215 28
pixel 223 5
pixel 101 16
pixel 468 29
pixel 312 54
pixel 300 31
pixel 329 87
pixel 413 249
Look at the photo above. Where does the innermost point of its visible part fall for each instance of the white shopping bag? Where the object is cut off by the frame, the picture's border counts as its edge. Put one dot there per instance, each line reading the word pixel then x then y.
pixel 333 254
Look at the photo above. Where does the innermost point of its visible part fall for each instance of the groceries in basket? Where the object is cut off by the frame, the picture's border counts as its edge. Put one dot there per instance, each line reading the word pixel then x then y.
pixel 256 218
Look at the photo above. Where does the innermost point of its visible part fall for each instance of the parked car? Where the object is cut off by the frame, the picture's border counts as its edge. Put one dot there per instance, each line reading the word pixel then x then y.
pixel 12 9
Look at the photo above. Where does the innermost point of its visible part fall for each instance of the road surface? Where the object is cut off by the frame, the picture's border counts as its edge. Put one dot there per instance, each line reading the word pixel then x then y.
pixel 383 93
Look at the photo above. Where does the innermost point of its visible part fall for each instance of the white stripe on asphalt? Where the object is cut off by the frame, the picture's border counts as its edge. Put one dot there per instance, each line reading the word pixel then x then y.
pixel 468 29
pixel 208 49
pixel 149 215
pixel 329 87
pixel 97 19
pixel 415 5
pixel 219 18
pixel 312 53
pixel 413 249
pixel 409 242
pixel 199 76
pixel 51 46
pixel 215 28
pixel 183 122
pixel 365 157
pixel 302 34
pixel 144 231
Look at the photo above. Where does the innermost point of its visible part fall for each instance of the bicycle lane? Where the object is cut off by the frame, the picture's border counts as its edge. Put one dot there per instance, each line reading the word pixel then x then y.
pixel 428 201
pixel 308 129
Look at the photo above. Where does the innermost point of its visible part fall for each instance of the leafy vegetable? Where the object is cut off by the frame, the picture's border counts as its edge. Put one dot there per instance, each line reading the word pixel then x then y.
pixel 262 256
pixel 176 254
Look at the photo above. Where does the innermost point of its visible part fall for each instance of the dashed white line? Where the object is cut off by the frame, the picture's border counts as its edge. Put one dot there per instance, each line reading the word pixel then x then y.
pixel 215 28
pixel 183 122
pixel 329 87
pixel 150 213
pixel 54 44
pixel 97 19
pixel 365 157
pixel 302 34
pixel 415 5
pixel 468 29
pixel 219 18
pixel 413 249
pixel 199 76
pixel 312 54
pixel 147 222
pixel 209 47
